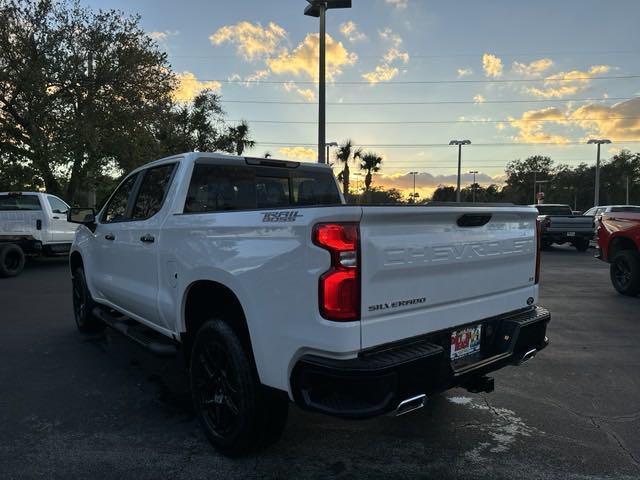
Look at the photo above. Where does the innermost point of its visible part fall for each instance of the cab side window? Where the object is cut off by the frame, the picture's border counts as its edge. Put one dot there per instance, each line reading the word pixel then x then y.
pixel 57 205
pixel 117 208
pixel 153 190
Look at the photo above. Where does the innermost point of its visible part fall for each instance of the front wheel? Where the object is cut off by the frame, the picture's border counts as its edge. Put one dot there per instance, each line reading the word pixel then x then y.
pixel 83 305
pixel 238 414
pixel 11 260
pixel 625 272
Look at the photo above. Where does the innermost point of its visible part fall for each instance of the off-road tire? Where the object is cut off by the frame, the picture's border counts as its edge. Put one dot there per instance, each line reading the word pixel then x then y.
pixel 83 304
pixel 237 413
pixel 625 272
pixel 11 260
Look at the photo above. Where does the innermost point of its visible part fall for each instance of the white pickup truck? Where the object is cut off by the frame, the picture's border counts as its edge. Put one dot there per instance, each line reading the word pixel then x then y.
pixel 275 290
pixel 32 223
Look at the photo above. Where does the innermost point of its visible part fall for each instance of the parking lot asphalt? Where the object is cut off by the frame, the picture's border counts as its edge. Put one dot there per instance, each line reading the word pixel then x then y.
pixel 78 407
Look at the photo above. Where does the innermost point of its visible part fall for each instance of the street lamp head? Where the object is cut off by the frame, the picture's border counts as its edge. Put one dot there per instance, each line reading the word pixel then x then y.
pixel 331 144
pixel 599 141
pixel 313 9
pixel 413 173
pixel 460 142
pixel 473 171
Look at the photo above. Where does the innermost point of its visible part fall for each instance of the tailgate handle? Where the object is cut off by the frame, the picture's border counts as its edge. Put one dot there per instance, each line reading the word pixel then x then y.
pixel 474 219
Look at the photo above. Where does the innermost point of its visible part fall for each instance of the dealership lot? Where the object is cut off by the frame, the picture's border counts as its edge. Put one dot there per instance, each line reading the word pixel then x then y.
pixel 72 406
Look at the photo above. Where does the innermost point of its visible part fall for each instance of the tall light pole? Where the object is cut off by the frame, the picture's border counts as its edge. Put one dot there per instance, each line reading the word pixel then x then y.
pixel 414 185
pixel 596 196
pixel 318 8
pixel 473 187
pixel 627 197
pixel 328 145
pixel 459 143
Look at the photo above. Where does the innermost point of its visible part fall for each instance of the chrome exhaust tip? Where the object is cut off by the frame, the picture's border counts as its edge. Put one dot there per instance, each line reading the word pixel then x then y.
pixel 411 404
pixel 529 355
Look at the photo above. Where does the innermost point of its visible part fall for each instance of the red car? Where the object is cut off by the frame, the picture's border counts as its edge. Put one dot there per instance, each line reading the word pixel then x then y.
pixel 619 243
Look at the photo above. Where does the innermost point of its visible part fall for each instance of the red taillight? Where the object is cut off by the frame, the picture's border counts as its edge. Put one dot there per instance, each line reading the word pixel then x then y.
pixel 538 228
pixel 339 287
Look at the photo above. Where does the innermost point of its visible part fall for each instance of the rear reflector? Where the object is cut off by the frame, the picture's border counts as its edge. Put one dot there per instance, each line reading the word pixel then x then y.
pixel 339 287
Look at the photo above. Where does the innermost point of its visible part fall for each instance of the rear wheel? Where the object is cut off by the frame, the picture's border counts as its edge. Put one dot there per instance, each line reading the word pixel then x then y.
pixel 581 245
pixel 625 272
pixel 238 414
pixel 11 260
pixel 83 305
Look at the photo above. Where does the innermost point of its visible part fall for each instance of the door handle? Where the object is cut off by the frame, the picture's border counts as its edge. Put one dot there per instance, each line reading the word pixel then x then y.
pixel 56 218
pixel 147 238
pixel 109 236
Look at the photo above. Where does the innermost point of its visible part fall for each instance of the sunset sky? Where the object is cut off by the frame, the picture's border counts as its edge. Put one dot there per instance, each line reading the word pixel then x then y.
pixel 490 72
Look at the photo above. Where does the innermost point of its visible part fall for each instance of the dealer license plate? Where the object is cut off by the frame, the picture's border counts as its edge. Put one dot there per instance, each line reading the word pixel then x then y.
pixel 571 234
pixel 465 342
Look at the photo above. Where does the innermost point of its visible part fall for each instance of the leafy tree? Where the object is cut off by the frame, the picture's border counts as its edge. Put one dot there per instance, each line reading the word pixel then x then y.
pixel 444 194
pixel 344 155
pixel 521 175
pixel 238 138
pixel 78 89
pixel 17 175
pixel 377 195
pixel 370 162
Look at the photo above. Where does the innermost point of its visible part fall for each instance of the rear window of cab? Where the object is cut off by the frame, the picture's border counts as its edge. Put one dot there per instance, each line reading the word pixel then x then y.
pixel 215 188
pixel 19 202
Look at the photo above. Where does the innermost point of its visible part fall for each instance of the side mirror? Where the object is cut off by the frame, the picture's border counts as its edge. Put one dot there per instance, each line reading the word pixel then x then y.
pixel 83 216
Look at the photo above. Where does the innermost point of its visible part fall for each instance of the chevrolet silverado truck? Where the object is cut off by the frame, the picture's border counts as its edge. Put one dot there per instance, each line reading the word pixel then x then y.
pixel 32 224
pixel 275 290
pixel 619 245
pixel 559 225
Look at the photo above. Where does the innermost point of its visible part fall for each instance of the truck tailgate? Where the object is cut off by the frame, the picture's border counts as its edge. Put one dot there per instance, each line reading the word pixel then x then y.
pixel 19 223
pixel 426 269
pixel 573 223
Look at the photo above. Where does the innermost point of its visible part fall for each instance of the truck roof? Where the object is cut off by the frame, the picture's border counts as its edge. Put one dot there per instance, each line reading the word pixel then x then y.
pixel 192 156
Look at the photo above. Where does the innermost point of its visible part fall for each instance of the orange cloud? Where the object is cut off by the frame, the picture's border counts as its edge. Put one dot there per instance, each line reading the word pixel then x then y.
pixel 620 121
pixel 189 86
pixel 299 153
pixel 382 73
pixel 532 69
pixel 350 31
pixel 252 40
pixel 306 93
pixel 617 122
pixel 531 126
pixel 563 84
pixel 303 60
pixel 491 65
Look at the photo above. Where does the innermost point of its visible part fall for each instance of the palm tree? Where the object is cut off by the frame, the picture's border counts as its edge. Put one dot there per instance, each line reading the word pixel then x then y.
pixel 240 137
pixel 344 155
pixel 370 162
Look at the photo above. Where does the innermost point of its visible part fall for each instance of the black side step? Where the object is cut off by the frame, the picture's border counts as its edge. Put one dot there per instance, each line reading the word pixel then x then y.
pixel 150 339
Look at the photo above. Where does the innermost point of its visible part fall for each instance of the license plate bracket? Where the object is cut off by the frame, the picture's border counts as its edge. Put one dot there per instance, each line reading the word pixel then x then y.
pixel 465 342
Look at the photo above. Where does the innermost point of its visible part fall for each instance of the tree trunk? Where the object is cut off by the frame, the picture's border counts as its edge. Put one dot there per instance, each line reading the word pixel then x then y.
pixel 345 179
pixel 367 181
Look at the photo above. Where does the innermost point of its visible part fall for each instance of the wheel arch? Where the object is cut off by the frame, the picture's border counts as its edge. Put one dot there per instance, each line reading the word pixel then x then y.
pixel 75 261
pixel 207 299
pixel 620 243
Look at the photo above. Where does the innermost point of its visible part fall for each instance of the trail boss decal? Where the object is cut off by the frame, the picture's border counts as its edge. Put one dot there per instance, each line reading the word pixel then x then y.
pixel 399 303
pixel 282 216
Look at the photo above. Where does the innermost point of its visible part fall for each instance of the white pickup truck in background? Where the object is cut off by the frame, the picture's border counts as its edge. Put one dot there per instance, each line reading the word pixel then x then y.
pixel 32 223
pixel 275 290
